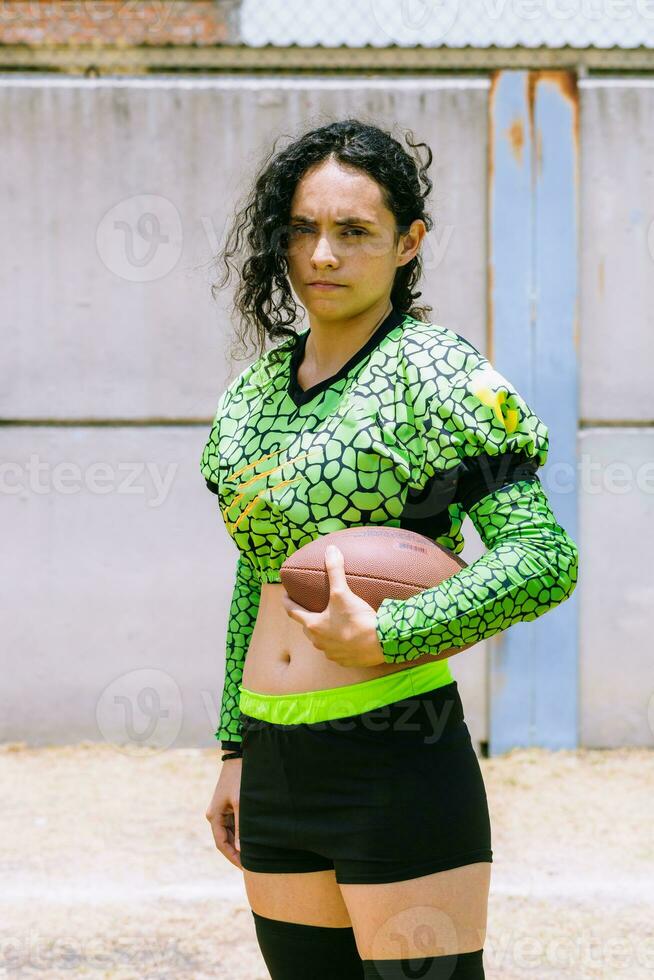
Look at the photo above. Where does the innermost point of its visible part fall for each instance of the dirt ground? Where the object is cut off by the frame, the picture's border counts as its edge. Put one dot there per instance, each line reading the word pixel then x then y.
pixel 108 868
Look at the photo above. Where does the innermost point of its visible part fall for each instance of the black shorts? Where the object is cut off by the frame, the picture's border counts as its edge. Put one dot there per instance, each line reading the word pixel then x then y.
pixel 389 794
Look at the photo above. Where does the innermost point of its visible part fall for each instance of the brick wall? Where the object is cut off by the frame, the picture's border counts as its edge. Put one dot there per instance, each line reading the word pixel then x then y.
pixel 128 22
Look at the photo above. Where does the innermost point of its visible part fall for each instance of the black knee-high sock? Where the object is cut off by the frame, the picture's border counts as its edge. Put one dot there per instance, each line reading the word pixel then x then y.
pixel 457 966
pixel 293 951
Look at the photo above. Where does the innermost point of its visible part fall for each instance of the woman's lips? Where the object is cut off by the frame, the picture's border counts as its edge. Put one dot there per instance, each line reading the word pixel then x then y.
pixel 323 285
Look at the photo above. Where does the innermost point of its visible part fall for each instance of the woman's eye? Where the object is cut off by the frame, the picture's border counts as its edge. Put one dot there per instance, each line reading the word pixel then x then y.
pixel 355 231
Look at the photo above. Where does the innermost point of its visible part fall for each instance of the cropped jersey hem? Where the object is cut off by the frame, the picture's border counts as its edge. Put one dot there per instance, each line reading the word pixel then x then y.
pixel 331 703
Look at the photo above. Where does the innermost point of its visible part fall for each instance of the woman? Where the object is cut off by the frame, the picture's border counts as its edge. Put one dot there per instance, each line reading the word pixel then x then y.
pixel 351 795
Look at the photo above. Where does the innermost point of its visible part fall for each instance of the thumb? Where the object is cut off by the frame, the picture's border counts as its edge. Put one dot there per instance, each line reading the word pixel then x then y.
pixel 335 565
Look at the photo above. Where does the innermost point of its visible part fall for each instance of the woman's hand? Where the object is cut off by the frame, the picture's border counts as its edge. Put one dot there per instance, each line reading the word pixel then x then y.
pixel 222 812
pixel 345 630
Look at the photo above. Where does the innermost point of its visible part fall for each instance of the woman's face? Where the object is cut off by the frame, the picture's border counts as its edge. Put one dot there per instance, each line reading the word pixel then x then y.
pixel 341 232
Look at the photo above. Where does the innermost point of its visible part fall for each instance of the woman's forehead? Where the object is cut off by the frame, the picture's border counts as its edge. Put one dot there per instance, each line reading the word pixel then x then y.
pixel 358 193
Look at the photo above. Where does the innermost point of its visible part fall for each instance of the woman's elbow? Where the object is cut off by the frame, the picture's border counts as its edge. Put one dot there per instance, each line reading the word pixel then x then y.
pixel 555 564
pixel 569 565
pixel 562 568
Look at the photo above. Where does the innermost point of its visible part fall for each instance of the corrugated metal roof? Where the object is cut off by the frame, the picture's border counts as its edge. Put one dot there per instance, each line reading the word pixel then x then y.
pixel 449 23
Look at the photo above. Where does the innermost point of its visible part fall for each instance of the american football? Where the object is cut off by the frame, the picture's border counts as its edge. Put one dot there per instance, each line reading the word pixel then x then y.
pixel 380 563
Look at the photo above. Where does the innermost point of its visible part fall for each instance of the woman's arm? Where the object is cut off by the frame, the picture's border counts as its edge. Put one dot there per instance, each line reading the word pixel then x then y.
pixel 480 445
pixel 530 567
pixel 240 626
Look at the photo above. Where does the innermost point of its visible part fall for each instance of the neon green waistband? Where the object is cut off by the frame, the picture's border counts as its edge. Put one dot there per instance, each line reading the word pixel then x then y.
pixel 351 699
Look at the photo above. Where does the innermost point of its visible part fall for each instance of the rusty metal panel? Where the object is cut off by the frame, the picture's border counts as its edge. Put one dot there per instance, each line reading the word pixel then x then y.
pixel 532 317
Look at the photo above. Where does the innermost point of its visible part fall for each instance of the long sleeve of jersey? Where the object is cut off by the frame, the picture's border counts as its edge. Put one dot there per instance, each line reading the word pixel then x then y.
pixel 530 567
pixel 240 626
pixel 244 605
pixel 531 562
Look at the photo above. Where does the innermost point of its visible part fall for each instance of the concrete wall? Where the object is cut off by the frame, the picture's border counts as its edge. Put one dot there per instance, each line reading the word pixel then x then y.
pixel 616 436
pixel 119 192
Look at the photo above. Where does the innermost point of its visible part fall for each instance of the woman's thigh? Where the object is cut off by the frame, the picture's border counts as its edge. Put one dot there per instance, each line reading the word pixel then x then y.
pixel 434 915
pixel 310 898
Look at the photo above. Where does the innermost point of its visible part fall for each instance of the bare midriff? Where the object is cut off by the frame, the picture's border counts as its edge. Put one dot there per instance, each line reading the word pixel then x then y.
pixel 281 658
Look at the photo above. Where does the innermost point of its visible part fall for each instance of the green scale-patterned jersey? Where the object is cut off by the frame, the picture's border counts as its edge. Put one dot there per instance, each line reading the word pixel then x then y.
pixel 416 430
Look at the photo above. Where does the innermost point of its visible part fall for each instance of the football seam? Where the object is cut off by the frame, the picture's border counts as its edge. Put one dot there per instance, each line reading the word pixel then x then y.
pixel 369 578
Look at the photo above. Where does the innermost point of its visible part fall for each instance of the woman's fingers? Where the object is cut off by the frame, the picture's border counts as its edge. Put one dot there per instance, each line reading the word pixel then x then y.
pixel 222 827
pixel 228 838
pixel 222 812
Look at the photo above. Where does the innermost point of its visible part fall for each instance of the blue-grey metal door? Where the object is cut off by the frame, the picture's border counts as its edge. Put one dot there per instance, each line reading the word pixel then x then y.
pixel 532 339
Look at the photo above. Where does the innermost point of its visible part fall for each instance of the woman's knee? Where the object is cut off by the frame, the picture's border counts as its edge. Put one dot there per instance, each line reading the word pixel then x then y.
pixel 293 951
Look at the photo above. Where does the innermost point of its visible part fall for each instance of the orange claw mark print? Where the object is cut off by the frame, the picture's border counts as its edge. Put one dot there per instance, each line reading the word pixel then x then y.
pixel 258 476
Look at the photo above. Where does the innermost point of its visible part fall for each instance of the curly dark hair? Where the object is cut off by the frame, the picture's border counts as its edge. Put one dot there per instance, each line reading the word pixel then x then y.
pixel 263 297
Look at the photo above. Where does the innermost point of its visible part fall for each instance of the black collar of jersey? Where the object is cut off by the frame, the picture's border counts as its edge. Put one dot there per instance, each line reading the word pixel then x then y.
pixel 301 397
